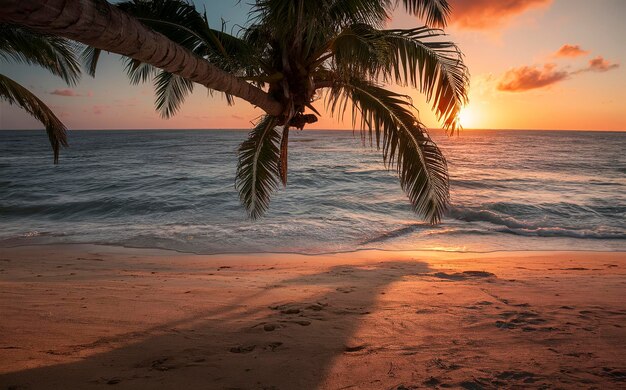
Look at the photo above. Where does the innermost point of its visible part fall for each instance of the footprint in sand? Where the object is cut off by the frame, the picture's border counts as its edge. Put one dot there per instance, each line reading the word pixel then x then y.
pixel 523 320
pixel 441 364
pixel 113 381
pixel 287 308
pixel 317 306
pixel 432 382
pixel 269 327
pixel 523 376
pixel 272 346
pixel 243 348
pixel 161 365
pixel 614 373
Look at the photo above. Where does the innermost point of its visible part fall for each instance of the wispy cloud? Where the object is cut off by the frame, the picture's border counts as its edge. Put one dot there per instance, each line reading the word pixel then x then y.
pixel 489 14
pixel 530 77
pixel 70 93
pixel 570 51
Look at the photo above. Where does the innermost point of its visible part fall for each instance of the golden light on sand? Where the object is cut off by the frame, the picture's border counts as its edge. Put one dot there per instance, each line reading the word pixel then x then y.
pixel 467 117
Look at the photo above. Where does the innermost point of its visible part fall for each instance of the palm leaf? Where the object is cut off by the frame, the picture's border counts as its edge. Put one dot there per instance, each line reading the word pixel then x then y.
pixel 258 167
pixel 386 116
pixel 435 12
pixel 14 93
pixel 139 72
pixel 373 12
pixel 443 77
pixel 407 57
pixel 376 12
pixel 171 91
pixel 180 21
pixel 53 53
pixel 90 56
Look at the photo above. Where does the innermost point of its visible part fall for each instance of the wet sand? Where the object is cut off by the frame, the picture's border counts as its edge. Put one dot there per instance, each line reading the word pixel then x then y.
pixel 86 316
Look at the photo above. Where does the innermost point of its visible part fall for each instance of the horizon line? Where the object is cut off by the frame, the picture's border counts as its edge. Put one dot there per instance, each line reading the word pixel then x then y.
pixel 351 130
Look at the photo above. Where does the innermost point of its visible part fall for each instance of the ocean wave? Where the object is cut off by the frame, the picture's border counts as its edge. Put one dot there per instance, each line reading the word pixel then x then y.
pixel 104 207
pixel 467 215
pixel 512 225
pixel 394 233
pixel 561 232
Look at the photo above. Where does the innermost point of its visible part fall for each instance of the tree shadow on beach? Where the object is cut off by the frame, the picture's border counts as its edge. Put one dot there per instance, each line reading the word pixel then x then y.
pixel 261 341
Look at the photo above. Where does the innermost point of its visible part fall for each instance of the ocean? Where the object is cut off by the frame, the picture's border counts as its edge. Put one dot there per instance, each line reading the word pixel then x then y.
pixel 510 190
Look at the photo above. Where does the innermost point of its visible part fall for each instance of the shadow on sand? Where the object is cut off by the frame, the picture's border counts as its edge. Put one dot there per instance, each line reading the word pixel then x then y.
pixel 245 344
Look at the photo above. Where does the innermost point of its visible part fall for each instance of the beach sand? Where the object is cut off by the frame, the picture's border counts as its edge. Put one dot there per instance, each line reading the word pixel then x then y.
pixel 86 316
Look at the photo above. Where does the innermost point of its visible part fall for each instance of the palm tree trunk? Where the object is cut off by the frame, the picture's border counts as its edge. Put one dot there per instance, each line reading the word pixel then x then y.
pixel 96 23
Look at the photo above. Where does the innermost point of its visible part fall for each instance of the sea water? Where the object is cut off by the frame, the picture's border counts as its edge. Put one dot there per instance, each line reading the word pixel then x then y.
pixel 510 190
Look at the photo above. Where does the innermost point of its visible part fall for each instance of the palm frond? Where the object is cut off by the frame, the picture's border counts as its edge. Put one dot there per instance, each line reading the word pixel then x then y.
pixel 14 93
pixel 90 57
pixel 386 116
pixel 171 91
pixel 361 49
pixel 443 76
pixel 372 12
pixel 55 54
pixel 434 12
pixel 407 57
pixel 180 21
pixel 258 167
pixel 139 72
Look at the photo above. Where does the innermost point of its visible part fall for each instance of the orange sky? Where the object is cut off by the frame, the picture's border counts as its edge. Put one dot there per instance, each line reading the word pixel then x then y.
pixel 543 64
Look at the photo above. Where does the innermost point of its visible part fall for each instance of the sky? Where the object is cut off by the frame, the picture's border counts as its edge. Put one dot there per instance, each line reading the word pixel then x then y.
pixel 534 64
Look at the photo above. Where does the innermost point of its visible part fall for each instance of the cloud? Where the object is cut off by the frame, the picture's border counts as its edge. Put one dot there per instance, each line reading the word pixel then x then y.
pixel 531 77
pixel 570 51
pixel 489 14
pixel 526 78
pixel 599 64
pixel 69 93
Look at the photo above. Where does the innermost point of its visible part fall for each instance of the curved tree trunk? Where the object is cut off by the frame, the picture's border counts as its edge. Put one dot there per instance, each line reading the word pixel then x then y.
pixel 96 23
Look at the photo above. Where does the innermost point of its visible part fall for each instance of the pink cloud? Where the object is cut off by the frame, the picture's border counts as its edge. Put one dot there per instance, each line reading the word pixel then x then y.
pixel 599 64
pixel 526 78
pixel 531 77
pixel 67 92
pixel 570 51
pixel 488 14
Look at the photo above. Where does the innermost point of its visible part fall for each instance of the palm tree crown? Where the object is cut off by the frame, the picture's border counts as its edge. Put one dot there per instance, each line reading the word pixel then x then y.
pixel 290 54
pixel 50 52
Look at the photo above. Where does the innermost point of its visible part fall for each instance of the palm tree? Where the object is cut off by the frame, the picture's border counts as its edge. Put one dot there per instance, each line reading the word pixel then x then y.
pixel 50 52
pixel 292 53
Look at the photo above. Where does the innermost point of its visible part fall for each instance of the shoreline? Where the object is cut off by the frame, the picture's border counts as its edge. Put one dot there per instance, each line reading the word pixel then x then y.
pixel 91 316
pixel 312 254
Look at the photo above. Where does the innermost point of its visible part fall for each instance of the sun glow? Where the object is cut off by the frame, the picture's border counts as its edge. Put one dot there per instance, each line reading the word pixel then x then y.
pixel 467 117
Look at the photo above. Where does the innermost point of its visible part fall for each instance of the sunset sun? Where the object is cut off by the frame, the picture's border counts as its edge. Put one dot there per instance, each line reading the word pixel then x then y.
pixel 467 117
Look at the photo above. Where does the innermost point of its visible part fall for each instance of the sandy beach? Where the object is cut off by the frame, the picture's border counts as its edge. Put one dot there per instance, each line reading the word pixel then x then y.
pixel 86 316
